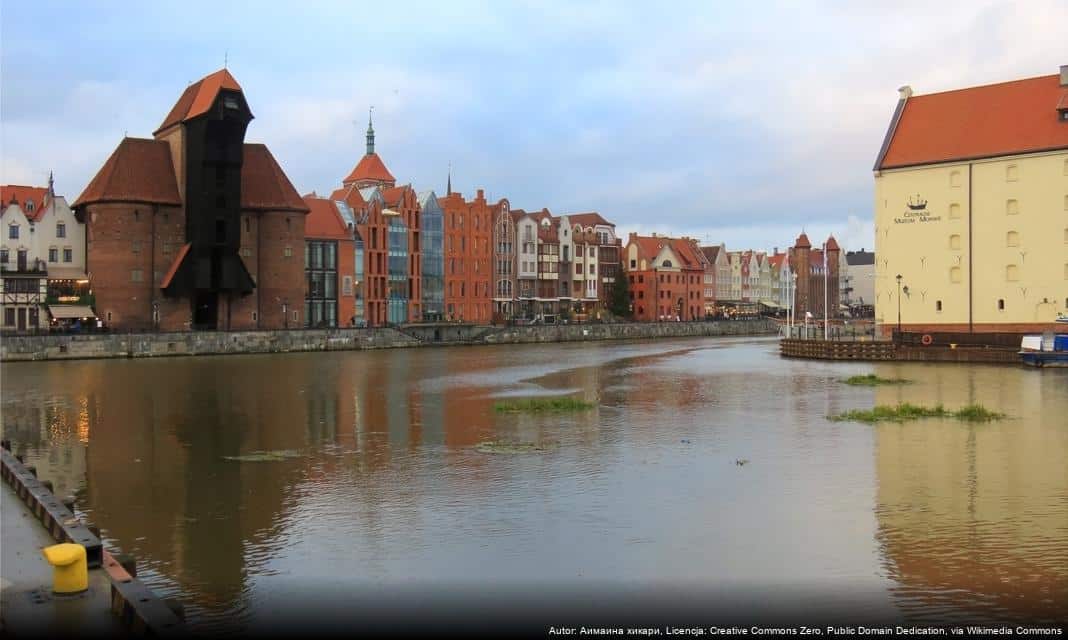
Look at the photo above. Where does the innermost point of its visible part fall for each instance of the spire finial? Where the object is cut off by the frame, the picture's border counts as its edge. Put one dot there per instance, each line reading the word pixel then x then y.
pixel 226 58
pixel 370 132
pixel 51 183
pixel 448 189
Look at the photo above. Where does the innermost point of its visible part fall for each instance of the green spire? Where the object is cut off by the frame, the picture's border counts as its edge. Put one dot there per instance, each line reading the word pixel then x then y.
pixel 370 133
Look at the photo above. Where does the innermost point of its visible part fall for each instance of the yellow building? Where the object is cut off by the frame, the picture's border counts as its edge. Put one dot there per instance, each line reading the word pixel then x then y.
pixel 971 209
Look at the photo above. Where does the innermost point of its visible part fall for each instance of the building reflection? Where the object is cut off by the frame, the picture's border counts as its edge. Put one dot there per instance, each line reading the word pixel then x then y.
pixel 971 516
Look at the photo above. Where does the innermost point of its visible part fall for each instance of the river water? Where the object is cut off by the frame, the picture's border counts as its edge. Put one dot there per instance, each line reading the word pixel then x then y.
pixel 706 463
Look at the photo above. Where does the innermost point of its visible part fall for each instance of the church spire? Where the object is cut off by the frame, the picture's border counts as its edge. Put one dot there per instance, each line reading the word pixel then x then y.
pixel 448 189
pixel 370 133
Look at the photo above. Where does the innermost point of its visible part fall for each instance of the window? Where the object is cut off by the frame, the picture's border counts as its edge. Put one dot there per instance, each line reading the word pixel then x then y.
pixel 255 316
pixel 68 255
pixel 61 230
pixel 4 258
pixel 954 178
pixel 136 275
pixel 1012 273
pixel 13 232
pixel 938 306
pixel 246 252
pixel 954 274
pixel 1012 207
pixel 230 102
pixel 135 246
pixel 1012 173
pixel 954 211
pixel 289 225
pixel 954 241
pixel 53 255
pixel 633 265
pixel 288 251
pixel 137 215
pixel 248 223
pixel 1001 304
pixel 1012 239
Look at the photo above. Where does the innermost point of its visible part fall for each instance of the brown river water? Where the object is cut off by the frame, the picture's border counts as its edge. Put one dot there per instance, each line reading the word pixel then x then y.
pixel 934 521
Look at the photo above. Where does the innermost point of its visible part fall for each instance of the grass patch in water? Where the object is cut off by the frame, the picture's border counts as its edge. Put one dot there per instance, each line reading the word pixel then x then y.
pixel 872 380
pixel 540 405
pixel 265 456
pixel 512 447
pixel 905 411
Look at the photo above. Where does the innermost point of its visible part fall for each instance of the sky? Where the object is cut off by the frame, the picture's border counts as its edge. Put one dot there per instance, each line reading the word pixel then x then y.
pixel 733 122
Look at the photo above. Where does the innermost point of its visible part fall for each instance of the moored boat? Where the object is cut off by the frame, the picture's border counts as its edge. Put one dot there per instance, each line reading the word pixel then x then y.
pixel 1045 351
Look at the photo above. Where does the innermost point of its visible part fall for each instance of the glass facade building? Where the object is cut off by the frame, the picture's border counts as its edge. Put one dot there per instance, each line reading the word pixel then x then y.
pixel 320 271
pixel 398 293
pixel 433 226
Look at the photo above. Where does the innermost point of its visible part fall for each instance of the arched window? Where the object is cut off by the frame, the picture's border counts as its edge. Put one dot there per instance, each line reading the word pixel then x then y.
pixel 954 211
pixel 666 263
pixel 1012 207
pixel 1012 173
pixel 954 241
pixel 954 274
pixel 1012 239
pixel 1012 273
pixel 954 178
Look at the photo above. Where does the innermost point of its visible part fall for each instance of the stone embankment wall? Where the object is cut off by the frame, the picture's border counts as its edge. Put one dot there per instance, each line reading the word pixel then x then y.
pixel 142 345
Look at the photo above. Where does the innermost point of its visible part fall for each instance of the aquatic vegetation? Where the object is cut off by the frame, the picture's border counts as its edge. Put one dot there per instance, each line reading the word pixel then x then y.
pixel 265 456
pixel 539 405
pixel 872 380
pixel 905 411
pixel 513 447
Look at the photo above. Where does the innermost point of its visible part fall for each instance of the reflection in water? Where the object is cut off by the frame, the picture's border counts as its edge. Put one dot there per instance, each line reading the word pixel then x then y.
pixel 977 514
pixel 933 519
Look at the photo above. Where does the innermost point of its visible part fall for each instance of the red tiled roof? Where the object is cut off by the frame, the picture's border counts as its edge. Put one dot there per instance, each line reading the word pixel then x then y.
pixel 324 221
pixel 166 282
pixel 263 183
pixel 688 252
pixel 832 244
pixel 370 167
pixel 711 253
pixel 978 122
pixel 139 170
pixel 649 246
pixel 198 98
pixel 802 242
pixel 21 194
pixel 776 260
pixel 393 195
pixel 587 219
pixel 350 195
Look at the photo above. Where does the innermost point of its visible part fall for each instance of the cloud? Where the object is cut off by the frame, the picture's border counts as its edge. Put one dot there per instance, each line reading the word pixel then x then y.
pixel 737 122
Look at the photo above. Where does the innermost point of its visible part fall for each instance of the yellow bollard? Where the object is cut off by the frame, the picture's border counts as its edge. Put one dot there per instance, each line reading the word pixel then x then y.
pixel 70 573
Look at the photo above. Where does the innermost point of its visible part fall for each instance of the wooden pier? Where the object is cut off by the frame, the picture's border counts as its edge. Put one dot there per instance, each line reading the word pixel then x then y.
pixel 883 351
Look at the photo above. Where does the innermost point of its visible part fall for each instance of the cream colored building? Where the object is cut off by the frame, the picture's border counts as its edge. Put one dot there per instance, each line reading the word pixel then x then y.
pixel 971 209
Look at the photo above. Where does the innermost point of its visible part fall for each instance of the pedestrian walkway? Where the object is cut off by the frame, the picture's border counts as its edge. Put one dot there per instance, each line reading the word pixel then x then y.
pixel 27 604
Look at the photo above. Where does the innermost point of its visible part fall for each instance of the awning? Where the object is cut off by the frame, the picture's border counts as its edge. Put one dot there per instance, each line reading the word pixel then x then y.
pixel 70 311
pixel 66 273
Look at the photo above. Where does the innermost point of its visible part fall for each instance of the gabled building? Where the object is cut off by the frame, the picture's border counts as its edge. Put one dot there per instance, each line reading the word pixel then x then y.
pixel 389 226
pixel 504 262
pixel 195 228
pixel 815 278
pixel 971 209
pixel 329 265
pixel 666 278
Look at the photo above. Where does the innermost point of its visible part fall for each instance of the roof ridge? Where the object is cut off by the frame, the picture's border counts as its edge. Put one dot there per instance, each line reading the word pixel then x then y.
pixel 983 86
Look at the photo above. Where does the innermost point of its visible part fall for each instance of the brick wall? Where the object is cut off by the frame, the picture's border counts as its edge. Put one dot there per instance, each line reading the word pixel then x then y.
pixel 280 273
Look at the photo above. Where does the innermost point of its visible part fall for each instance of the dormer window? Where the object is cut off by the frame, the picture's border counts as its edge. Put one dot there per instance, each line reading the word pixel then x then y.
pixel 29 205
pixel 230 102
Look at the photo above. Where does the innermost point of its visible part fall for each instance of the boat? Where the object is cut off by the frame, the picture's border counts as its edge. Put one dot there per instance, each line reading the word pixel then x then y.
pixel 1050 350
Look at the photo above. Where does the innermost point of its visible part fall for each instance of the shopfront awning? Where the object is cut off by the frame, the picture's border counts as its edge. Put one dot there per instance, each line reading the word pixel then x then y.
pixel 70 311
pixel 66 273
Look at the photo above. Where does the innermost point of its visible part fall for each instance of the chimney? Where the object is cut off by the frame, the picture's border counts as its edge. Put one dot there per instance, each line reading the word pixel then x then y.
pixel 904 92
pixel 1064 75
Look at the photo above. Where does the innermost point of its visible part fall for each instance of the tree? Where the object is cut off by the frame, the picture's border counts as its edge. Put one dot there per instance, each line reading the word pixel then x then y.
pixel 619 297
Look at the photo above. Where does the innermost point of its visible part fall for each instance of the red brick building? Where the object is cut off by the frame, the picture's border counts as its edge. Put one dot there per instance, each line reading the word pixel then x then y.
pixel 388 226
pixel 665 277
pixel 468 254
pixel 195 228
pixel 329 266
pixel 808 266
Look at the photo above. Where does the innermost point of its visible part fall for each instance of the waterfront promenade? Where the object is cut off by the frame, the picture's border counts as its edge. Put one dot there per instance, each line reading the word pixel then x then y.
pixel 144 345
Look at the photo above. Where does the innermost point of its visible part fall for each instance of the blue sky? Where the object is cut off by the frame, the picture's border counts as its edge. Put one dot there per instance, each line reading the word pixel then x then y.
pixel 732 122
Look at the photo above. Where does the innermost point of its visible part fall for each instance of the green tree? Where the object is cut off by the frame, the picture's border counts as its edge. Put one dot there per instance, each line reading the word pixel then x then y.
pixel 619 298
